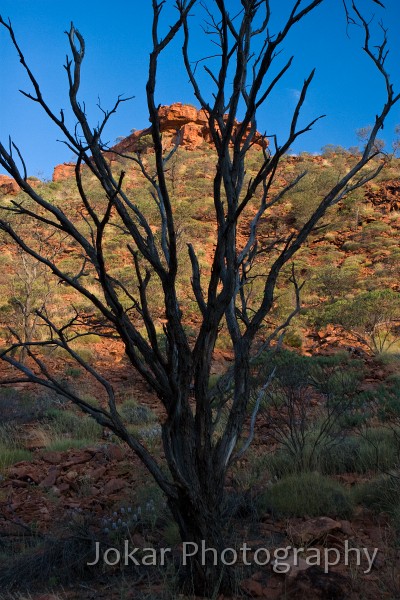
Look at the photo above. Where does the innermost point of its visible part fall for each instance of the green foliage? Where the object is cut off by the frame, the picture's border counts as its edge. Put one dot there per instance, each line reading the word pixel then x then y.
pixel 307 494
pixel 11 446
pixel 327 459
pixel 336 281
pixel 46 561
pixel 10 456
pixel 379 449
pixel 293 339
pixel 64 444
pixel 351 246
pixel 388 403
pixel 307 194
pixel 136 414
pixel 74 372
pixel 71 426
pixel 144 143
pixel 375 449
pixel 301 431
pixel 370 315
pixel 380 494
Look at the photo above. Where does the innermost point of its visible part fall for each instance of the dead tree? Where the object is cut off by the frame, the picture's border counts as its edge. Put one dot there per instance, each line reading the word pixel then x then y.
pixel 198 449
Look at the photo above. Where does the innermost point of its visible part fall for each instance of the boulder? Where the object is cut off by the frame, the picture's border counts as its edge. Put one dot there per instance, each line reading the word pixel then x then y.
pixel 314 530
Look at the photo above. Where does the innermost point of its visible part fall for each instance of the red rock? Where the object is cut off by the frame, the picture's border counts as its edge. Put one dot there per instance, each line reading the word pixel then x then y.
pixel 19 484
pixel 252 588
pixel 387 196
pixel 263 584
pixel 295 566
pixel 63 487
pixel 176 115
pixel 51 477
pixel 114 452
pixel 8 186
pixel 347 528
pixel 313 530
pixel 349 479
pixel 98 473
pixel 190 122
pixel 25 471
pixel 78 459
pixel 314 584
pixel 114 485
pixel 64 171
pixel 54 458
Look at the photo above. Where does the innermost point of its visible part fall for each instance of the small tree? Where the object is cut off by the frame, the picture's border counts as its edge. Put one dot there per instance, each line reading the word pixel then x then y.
pixel 288 408
pixel 336 281
pixel 31 290
pixel 372 317
pixel 199 448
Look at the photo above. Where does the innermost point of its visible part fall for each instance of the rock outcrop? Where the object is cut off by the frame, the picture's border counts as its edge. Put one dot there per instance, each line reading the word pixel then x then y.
pixel 8 186
pixel 386 196
pixel 64 171
pixel 177 119
pixel 178 122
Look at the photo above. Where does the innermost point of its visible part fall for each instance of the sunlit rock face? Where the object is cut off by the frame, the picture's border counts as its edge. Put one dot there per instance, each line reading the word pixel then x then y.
pixel 8 186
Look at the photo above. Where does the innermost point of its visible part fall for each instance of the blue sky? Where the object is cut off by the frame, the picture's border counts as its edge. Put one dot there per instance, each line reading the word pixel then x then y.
pixel 346 88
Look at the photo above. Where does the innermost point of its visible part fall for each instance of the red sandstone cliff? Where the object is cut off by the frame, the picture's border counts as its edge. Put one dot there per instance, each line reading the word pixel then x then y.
pixel 191 124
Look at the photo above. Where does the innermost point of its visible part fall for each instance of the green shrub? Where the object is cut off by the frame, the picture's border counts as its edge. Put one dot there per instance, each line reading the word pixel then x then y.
pixel 74 372
pixel 213 380
pixel 10 436
pixel 286 407
pixel 351 246
pixel 136 414
pixel 11 446
pixel 336 281
pixel 46 561
pixel 280 464
pixel 11 456
pixel 378 450
pixel 308 494
pixel 339 458
pixel 305 196
pixel 89 339
pixel 171 534
pixel 70 424
pixel 293 339
pixel 380 495
pixel 375 450
pixel 64 444
pixel 371 316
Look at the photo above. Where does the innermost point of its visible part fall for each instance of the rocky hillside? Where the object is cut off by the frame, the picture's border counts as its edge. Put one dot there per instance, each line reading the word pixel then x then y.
pixel 65 482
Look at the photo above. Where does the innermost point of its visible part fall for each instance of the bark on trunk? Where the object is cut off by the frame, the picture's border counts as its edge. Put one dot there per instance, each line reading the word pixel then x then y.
pixel 201 526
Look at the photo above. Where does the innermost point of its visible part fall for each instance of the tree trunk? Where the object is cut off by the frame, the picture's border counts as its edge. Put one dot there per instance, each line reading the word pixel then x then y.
pixel 201 524
pixel 198 509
